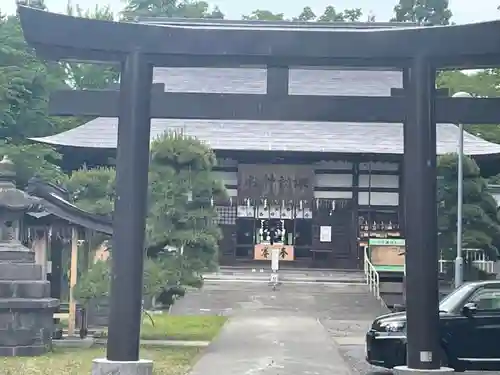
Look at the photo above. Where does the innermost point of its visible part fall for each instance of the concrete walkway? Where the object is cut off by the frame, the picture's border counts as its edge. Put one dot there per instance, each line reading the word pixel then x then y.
pixel 300 329
pixel 272 344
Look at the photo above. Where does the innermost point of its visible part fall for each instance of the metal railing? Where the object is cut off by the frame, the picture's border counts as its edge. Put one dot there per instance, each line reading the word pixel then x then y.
pixel 372 277
pixel 475 257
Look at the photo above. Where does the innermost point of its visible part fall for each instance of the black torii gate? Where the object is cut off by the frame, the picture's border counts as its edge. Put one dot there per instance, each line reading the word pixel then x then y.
pixel 417 52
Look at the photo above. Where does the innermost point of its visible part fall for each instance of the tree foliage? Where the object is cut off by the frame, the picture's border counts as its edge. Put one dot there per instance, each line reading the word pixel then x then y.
pixel 94 283
pixel 424 12
pixel 330 14
pixel 484 83
pixel 181 189
pixel 93 190
pixel 264 15
pixel 159 275
pixel 181 233
pixel 307 14
pixel 170 9
pixel 481 224
pixel 333 15
pixel 91 76
pixel 25 85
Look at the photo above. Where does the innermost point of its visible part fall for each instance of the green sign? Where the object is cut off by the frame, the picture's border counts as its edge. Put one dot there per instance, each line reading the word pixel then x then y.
pixel 386 242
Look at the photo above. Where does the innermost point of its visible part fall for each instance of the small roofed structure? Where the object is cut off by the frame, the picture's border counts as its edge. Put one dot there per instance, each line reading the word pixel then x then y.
pixel 50 228
pixel 56 204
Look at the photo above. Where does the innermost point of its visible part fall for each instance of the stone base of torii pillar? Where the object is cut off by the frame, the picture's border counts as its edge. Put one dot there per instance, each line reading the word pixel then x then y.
pixel 106 367
pixel 404 370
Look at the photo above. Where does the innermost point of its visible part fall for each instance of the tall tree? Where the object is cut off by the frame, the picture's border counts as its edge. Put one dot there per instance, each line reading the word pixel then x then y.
pixel 181 214
pixel 37 4
pixel 333 15
pixel 264 15
pixel 171 9
pixel 330 14
pixel 181 187
pixel 91 76
pixel 307 14
pixel 93 190
pixel 25 83
pixel 484 83
pixel 352 15
pixel 481 225
pixel 425 12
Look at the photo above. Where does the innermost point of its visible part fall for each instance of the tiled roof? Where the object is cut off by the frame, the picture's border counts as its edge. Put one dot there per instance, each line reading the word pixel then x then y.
pixel 190 22
pixel 374 138
pixel 301 82
pixel 276 136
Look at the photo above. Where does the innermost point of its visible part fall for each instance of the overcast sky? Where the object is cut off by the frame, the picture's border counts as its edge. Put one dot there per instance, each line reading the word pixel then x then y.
pixel 463 10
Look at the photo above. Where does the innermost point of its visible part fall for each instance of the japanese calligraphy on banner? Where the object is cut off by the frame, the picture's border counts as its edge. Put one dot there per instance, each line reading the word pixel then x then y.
pixel 276 182
pixel 263 252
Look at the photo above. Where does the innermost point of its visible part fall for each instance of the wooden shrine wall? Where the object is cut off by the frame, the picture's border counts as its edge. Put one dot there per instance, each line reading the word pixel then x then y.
pixel 353 187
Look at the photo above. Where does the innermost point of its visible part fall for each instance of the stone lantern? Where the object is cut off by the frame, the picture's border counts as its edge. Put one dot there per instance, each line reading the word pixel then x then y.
pixel 26 309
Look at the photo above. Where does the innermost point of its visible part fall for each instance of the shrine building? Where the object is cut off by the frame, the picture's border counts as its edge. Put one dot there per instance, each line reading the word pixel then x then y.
pixel 327 186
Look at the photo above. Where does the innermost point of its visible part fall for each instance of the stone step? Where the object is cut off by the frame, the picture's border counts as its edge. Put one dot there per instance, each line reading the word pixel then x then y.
pixel 282 279
pixel 10 304
pixel 20 271
pixel 391 287
pixel 288 269
pixel 287 275
pixel 24 289
pixel 17 256
pixel 22 351
pixel 291 271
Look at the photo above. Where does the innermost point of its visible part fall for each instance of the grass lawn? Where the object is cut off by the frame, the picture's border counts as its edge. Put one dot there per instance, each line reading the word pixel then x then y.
pixel 167 361
pixel 178 327
pixel 181 327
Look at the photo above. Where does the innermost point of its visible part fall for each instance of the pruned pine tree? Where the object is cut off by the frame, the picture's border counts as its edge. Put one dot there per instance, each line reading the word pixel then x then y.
pixel 182 233
pixel 481 224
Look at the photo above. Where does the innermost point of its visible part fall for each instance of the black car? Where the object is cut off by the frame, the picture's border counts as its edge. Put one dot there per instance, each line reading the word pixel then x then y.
pixel 470 331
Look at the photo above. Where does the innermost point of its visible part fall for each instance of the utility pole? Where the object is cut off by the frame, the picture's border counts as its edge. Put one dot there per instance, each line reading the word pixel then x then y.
pixel 459 260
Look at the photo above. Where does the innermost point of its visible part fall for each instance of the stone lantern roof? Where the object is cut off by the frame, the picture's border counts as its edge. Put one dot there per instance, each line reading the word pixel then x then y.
pixel 12 200
pixel 13 204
